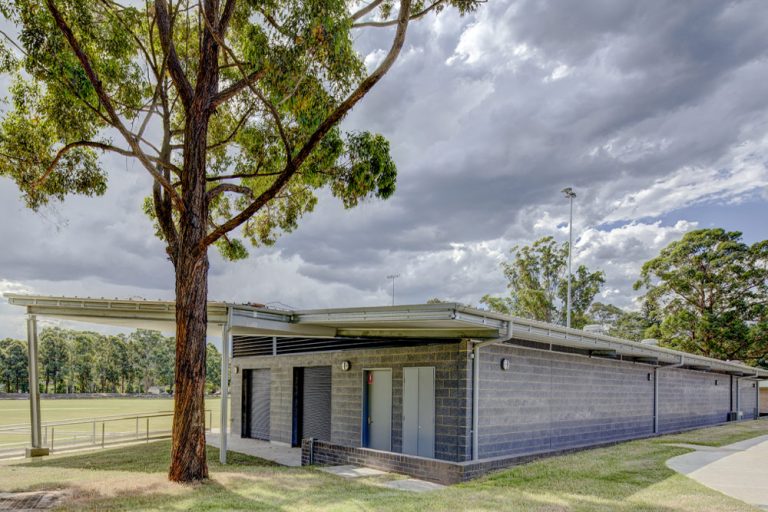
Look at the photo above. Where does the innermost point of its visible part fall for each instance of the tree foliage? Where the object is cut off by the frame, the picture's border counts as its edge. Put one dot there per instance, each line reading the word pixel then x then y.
pixel 14 366
pixel 709 293
pixel 88 362
pixel 537 281
pixel 629 325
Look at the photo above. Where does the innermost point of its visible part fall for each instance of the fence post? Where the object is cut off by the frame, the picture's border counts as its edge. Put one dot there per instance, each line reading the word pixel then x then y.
pixel 53 435
pixel 93 432
pixel 102 433
pixel 45 438
pixel 137 427
pixel 147 429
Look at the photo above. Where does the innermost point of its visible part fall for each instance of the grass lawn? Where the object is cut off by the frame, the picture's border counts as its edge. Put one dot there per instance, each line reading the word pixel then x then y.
pixel 629 476
pixel 14 412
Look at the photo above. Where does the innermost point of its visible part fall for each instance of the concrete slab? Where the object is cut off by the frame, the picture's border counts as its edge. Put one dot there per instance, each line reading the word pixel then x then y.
pixel 282 454
pixel 413 485
pixel 352 471
pixel 738 470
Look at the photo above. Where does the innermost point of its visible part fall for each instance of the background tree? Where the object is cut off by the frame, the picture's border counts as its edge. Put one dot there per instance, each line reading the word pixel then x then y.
pixel 629 325
pixel 14 365
pixel 54 356
pixel 82 360
pixel 213 369
pixel 710 291
pixel 232 108
pixel 537 283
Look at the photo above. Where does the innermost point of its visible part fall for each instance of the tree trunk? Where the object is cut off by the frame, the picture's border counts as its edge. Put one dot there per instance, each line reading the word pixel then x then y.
pixel 188 461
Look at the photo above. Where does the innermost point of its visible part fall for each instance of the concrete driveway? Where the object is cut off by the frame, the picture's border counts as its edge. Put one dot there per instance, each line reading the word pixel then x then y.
pixel 739 470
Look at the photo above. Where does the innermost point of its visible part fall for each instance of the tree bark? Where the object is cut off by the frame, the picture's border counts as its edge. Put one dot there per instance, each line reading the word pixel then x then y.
pixel 188 460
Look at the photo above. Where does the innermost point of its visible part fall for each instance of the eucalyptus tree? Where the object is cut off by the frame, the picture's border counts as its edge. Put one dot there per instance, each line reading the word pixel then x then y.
pixel 537 281
pixel 709 292
pixel 232 107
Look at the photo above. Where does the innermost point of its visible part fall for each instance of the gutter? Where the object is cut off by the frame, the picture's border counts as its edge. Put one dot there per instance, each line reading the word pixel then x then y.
pixel 656 392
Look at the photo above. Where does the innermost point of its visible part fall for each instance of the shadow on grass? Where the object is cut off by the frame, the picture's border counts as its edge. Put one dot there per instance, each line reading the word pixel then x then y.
pixel 152 457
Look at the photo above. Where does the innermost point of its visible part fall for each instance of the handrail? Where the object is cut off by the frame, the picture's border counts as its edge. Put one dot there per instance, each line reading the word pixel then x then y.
pixel 117 417
pixel 82 438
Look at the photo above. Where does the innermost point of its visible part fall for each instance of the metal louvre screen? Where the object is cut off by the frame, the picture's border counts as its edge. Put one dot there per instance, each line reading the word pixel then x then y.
pixel 316 403
pixel 260 400
pixel 245 346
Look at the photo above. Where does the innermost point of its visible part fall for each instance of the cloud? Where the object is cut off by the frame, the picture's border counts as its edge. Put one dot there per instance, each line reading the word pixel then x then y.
pixel 645 108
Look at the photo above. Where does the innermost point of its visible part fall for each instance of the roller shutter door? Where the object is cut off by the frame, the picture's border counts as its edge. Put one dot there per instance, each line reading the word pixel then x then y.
pixel 260 400
pixel 316 403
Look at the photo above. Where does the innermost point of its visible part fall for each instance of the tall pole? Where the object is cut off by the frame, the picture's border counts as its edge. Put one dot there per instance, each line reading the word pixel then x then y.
pixel 569 194
pixel 393 277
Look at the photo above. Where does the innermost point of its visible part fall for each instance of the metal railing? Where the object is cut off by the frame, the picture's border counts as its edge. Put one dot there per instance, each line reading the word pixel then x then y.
pixel 92 432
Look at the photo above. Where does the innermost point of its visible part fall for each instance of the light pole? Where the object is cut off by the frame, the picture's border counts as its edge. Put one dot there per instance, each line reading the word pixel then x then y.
pixel 569 194
pixel 393 277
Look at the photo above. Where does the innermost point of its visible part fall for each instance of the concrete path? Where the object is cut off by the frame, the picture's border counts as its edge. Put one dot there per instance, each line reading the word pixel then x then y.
pixel 283 454
pixel 739 470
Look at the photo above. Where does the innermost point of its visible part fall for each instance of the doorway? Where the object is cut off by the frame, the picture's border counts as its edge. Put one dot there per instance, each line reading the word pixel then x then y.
pixel 257 389
pixel 419 411
pixel 311 404
pixel 377 409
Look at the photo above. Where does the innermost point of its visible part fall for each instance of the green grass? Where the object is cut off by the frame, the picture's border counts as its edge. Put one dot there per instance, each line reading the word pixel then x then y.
pixel 626 477
pixel 13 412
pixel 719 436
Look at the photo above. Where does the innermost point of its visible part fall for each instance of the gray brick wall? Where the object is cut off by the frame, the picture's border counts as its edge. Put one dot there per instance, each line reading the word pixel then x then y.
pixel 748 399
pixel 690 398
pixel 449 361
pixel 553 401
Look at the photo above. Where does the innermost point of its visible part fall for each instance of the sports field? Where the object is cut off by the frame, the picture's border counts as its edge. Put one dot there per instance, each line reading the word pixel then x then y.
pixel 16 412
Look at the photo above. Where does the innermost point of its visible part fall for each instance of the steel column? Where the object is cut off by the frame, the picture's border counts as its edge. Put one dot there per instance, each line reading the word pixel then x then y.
pixel 226 335
pixel 34 391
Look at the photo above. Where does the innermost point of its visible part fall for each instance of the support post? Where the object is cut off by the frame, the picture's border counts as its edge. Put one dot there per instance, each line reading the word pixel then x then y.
pixel 37 449
pixel 226 334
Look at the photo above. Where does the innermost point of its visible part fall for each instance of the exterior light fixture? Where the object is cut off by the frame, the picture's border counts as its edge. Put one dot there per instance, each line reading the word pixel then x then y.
pixel 649 377
pixel 237 370
pixel 505 364
pixel 345 366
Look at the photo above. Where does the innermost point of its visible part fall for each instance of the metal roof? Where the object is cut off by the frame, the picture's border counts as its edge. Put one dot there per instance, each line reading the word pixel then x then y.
pixel 422 321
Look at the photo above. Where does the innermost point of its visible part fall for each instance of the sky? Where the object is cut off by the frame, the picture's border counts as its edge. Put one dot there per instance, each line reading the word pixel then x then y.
pixel 655 112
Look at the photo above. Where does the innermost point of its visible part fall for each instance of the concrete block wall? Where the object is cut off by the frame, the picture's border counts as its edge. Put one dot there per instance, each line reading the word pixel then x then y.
pixel 554 401
pixel 451 411
pixel 748 399
pixel 689 399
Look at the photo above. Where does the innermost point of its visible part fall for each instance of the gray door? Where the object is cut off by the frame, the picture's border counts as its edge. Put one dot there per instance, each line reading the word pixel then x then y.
pixel 378 410
pixel 260 399
pixel 419 411
pixel 316 403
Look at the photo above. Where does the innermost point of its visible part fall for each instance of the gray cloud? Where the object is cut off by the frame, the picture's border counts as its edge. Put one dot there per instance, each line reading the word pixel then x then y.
pixel 643 107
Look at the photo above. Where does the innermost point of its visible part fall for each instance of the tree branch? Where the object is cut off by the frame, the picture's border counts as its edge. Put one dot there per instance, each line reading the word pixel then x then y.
pixel 169 49
pixel 389 23
pixel 365 10
pixel 340 111
pixel 229 187
pixel 105 100
pixel 236 88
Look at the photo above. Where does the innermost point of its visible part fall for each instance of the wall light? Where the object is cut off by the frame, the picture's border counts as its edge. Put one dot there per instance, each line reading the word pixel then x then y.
pixel 345 366
pixel 505 364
